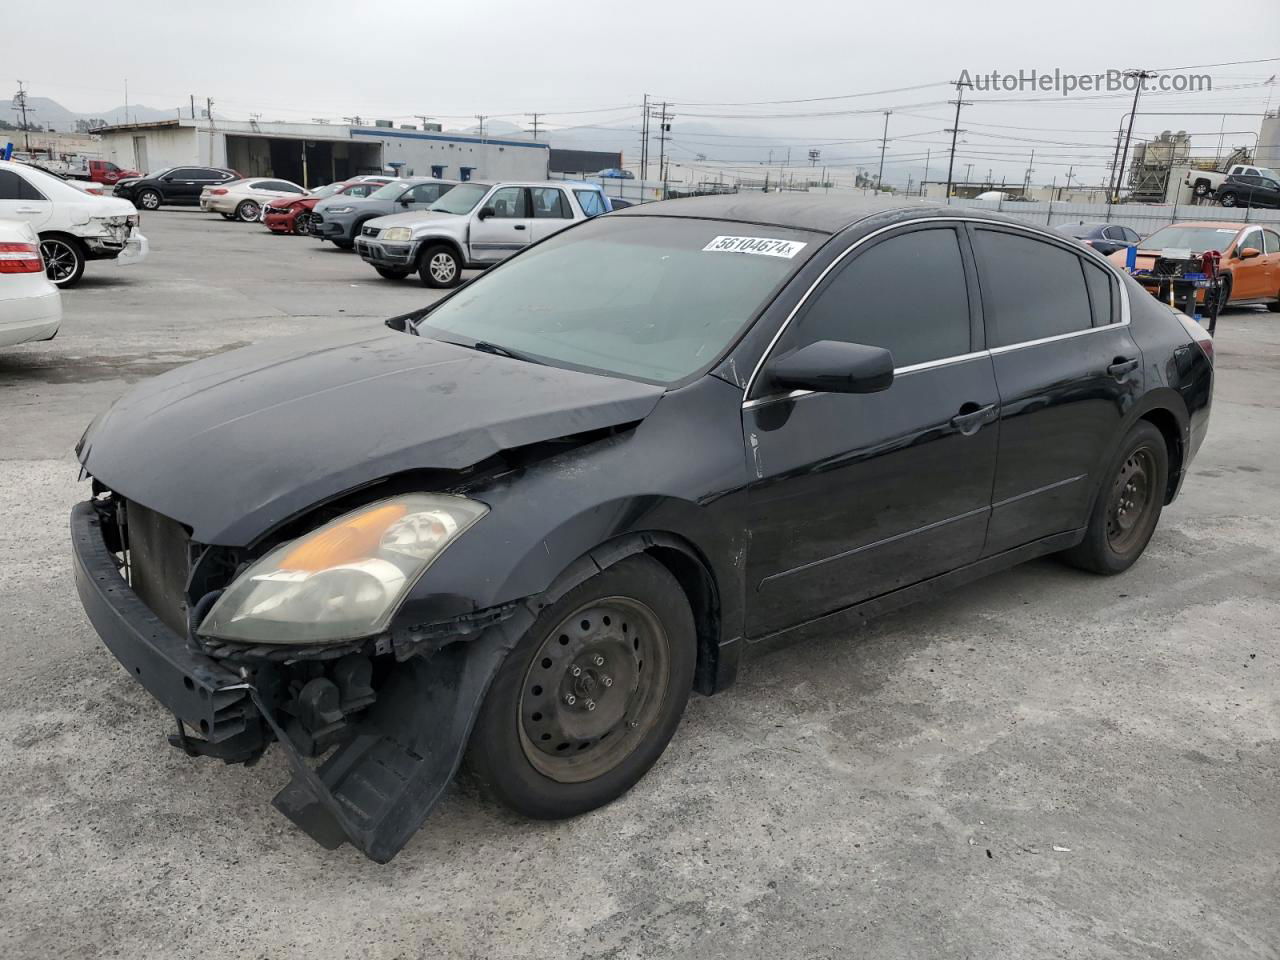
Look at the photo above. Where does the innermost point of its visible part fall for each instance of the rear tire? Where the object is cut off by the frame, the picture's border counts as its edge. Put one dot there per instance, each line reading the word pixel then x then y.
pixel 440 268
pixel 249 211
pixel 1128 505
pixel 1201 189
pixel 551 743
pixel 64 259
pixel 227 216
pixel 392 274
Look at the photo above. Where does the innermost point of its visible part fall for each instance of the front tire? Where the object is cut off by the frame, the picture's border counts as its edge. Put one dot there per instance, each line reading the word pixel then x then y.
pixel 344 244
pixel 591 695
pixel 440 268
pixel 149 199
pixel 390 273
pixel 302 224
pixel 64 260
pixel 249 211
pixel 1128 505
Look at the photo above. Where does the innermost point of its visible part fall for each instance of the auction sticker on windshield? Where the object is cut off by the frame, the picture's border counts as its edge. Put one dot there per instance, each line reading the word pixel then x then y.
pixel 763 246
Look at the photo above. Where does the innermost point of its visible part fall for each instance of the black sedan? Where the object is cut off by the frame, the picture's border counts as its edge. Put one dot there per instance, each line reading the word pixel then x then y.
pixel 1106 238
pixel 176 185
pixel 519 526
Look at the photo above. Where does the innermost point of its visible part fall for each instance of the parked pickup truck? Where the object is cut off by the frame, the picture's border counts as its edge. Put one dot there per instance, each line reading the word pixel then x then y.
pixel 1204 183
pixel 474 225
pixel 80 168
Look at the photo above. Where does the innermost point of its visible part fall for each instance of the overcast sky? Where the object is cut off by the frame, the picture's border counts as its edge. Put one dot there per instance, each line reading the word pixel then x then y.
pixel 288 59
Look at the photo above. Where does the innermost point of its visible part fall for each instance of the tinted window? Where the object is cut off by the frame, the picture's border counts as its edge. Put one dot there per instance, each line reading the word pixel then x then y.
pixel 509 203
pixel 184 173
pixel 1251 239
pixel 425 193
pixel 591 201
pixel 1272 240
pixel 1130 235
pixel 14 187
pixel 1102 294
pixel 550 203
pixel 906 294
pixel 1030 289
pixel 1114 233
pixel 204 173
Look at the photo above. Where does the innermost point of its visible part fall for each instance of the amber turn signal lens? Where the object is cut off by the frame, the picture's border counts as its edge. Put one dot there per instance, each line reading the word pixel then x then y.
pixel 348 542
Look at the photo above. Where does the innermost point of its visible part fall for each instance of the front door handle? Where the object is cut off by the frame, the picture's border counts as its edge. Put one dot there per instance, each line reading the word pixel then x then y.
pixel 971 418
pixel 28 210
pixel 1122 365
pixel 519 226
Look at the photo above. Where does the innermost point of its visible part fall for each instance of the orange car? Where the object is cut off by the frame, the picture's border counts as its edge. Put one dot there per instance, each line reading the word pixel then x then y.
pixel 1250 256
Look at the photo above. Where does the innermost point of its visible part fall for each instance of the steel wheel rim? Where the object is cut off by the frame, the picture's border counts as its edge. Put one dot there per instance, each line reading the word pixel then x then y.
pixel 149 201
pixel 250 211
pixel 1132 500
pixel 594 689
pixel 442 267
pixel 59 260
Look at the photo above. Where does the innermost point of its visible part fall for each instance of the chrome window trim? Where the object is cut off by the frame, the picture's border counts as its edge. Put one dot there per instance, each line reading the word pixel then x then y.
pixel 1125 315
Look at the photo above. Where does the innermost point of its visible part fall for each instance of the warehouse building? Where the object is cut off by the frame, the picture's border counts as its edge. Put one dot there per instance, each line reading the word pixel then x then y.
pixel 315 153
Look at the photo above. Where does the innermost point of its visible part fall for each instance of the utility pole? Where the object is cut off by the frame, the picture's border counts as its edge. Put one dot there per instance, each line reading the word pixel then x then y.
pixel 644 142
pixel 1070 174
pixel 208 105
pixel 1026 182
pixel 535 123
pixel 20 100
pixel 955 131
pixel 968 172
pixel 1115 161
pixel 884 140
pixel 424 118
pixel 1141 76
pixel 926 172
pixel 664 127
pixel 193 106
pixel 482 117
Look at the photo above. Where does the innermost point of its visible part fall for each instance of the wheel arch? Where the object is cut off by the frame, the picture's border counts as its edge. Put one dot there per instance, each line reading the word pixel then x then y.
pixel 1167 423
pixel 426 243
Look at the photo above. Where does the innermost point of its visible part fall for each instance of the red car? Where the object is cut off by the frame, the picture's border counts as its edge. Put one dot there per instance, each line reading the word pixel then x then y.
pixel 292 214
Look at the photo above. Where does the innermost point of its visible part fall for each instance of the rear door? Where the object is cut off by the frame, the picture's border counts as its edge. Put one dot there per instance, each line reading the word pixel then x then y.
pixel 552 211
pixel 22 200
pixel 1271 254
pixel 180 185
pixel 1066 369
pixel 853 496
pixel 505 227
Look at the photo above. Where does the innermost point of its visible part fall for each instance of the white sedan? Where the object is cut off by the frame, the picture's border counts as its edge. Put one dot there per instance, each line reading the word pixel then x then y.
pixel 30 305
pixel 244 199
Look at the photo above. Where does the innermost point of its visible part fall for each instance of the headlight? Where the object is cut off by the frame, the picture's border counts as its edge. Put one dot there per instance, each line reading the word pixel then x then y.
pixel 343 580
pixel 397 234
pixel 339 209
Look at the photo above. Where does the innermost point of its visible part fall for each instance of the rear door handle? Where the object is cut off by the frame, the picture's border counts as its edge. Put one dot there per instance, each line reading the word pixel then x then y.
pixel 519 226
pixel 28 210
pixel 1121 366
pixel 971 418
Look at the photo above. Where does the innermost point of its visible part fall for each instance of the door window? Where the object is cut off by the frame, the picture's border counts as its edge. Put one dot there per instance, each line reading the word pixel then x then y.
pixel 550 203
pixel 1251 239
pixel 906 294
pixel 1272 241
pixel 509 203
pixel 591 201
pixel 1103 295
pixel 184 173
pixel 1030 289
pixel 424 193
pixel 14 187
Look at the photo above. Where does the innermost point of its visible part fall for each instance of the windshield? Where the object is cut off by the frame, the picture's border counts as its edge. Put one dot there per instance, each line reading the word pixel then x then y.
pixel 1196 239
pixel 390 191
pixel 461 199
pixel 651 298
pixel 328 190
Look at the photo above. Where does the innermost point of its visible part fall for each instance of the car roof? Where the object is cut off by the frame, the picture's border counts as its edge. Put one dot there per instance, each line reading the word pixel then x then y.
pixel 1219 224
pixel 820 213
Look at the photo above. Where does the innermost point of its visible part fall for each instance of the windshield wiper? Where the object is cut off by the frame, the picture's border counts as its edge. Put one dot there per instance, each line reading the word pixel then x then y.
pixel 485 346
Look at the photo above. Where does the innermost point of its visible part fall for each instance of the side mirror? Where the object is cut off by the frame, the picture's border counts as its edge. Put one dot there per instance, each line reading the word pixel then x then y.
pixel 405 201
pixel 1248 253
pixel 833 366
pixel 486 213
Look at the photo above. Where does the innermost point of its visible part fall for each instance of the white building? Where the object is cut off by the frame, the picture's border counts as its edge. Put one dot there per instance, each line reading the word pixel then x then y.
pixel 316 153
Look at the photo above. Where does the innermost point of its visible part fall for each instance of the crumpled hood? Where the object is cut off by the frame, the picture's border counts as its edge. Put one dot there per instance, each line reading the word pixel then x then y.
pixel 233 445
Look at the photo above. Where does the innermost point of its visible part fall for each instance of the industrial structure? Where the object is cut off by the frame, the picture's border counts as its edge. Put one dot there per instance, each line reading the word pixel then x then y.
pixel 316 153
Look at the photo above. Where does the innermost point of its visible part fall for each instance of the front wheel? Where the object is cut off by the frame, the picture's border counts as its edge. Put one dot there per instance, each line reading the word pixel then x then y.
pixel 1227 199
pixel 249 211
pixel 302 223
pixel 344 244
pixel 440 267
pixel 149 200
pixel 1128 504
pixel 64 260
pixel 227 216
pixel 591 695
pixel 391 273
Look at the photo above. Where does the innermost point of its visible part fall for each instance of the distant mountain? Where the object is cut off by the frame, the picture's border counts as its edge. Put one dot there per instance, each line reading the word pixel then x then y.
pixel 50 113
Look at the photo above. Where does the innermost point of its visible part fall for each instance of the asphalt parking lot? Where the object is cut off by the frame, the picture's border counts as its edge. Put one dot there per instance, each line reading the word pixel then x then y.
pixel 1045 764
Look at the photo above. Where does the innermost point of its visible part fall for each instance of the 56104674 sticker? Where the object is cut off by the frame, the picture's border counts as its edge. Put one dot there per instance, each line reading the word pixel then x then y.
pixel 761 246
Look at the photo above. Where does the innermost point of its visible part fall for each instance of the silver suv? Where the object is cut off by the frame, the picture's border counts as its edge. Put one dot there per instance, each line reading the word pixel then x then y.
pixel 340 218
pixel 475 225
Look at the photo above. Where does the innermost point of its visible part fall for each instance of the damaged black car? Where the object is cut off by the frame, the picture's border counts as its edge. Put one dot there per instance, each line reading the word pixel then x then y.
pixel 515 529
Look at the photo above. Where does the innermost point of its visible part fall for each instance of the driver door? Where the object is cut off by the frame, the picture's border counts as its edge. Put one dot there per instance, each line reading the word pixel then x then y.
pixel 20 200
pixel 502 225
pixel 1249 277
pixel 856 495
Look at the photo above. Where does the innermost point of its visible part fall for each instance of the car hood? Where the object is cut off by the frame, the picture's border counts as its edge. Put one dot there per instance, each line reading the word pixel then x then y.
pixel 233 445
pixel 357 203
pixel 416 220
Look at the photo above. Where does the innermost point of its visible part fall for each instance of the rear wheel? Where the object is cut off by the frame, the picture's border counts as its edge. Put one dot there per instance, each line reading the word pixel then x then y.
pixel 227 216
pixel 64 260
pixel 1128 505
pixel 249 211
pixel 440 267
pixel 1201 189
pixel 149 199
pixel 590 697
pixel 392 273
